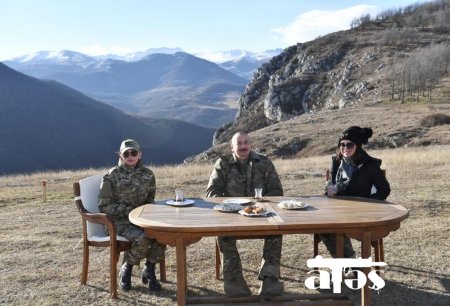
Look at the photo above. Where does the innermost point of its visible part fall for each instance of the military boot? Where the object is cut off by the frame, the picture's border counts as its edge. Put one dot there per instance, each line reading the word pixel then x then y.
pixel 148 276
pixel 236 287
pixel 271 286
pixel 125 276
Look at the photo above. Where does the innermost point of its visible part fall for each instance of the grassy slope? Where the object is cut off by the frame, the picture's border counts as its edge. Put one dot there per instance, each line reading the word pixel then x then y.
pixel 41 254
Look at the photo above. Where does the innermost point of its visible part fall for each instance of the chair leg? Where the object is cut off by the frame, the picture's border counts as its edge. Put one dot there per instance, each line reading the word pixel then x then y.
pixel 84 271
pixel 162 270
pixel 376 248
pixel 380 245
pixel 114 258
pixel 316 247
pixel 217 260
pixel 379 253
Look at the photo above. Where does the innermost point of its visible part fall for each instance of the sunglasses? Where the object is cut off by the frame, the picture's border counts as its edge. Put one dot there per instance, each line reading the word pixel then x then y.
pixel 133 153
pixel 349 145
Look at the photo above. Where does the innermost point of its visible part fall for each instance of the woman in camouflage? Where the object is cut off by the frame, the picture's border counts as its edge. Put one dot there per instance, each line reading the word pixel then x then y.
pixel 125 187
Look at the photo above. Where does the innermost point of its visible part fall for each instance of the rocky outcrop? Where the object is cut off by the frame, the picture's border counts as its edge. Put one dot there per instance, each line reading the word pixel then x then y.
pixel 346 69
pixel 292 83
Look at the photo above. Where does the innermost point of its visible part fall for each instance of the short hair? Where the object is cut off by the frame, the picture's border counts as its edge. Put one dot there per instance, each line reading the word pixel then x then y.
pixel 237 134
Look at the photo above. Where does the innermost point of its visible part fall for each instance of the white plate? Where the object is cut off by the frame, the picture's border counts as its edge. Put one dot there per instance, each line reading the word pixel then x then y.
pixel 228 207
pixel 179 203
pixel 237 201
pixel 263 214
pixel 292 204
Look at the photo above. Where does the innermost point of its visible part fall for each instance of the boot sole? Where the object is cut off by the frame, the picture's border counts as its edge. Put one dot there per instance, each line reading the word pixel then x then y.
pixel 124 287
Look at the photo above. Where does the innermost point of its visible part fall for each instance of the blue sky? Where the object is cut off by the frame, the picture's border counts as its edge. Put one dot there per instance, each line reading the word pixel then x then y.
pixel 198 26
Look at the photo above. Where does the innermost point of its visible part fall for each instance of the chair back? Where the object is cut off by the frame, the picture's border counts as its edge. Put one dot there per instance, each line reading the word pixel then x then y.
pixel 327 175
pixel 89 191
pixel 374 189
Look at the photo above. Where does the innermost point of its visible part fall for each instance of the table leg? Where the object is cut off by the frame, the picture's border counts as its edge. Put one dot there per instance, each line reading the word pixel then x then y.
pixel 365 253
pixel 181 270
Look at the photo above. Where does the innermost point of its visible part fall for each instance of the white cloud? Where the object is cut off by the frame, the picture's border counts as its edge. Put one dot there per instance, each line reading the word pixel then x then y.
pixel 104 50
pixel 219 56
pixel 312 24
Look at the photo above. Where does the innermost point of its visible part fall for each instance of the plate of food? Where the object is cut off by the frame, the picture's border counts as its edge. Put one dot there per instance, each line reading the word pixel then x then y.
pixel 228 207
pixel 292 204
pixel 239 201
pixel 180 203
pixel 254 211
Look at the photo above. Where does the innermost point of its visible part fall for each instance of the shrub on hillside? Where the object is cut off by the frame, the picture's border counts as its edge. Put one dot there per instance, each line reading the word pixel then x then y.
pixel 435 119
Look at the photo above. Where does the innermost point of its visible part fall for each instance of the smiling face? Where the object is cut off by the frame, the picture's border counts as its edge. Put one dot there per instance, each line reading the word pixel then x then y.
pixel 240 145
pixel 347 148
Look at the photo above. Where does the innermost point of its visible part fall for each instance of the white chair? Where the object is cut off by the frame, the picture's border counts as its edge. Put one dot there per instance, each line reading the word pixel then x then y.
pixel 86 193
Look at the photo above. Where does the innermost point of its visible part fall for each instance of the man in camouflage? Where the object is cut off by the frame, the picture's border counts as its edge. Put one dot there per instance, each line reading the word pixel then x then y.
pixel 239 175
pixel 123 188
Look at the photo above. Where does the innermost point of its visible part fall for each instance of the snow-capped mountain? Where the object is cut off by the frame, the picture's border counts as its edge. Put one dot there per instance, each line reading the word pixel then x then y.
pixel 236 55
pixel 151 81
pixel 62 57
pixel 136 56
pixel 158 85
pixel 240 62
pixel 68 57
pixel 43 63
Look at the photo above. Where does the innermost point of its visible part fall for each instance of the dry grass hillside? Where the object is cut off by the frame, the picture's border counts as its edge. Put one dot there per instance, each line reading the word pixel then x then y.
pixel 394 125
pixel 41 252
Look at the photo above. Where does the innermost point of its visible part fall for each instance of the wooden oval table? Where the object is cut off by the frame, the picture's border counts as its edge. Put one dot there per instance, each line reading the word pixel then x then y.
pixel 358 218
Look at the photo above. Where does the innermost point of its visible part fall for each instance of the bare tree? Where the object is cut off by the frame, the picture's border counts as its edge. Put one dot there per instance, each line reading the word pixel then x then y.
pixel 362 21
pixel 420 72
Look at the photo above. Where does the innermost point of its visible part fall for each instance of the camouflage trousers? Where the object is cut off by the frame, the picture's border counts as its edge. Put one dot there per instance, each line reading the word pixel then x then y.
pixel 231 262
pixel 141 246
pixel 330 242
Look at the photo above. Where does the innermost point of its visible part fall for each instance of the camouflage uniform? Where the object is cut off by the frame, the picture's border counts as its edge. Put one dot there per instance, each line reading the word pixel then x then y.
pixel 330 242
pixel 232 178
pixel 123 189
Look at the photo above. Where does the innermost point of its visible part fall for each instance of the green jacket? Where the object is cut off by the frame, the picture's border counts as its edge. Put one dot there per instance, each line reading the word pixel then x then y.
pixel 124 189
pixel 231 178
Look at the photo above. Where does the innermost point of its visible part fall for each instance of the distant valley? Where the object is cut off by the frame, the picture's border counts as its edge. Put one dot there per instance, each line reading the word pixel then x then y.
pixel 390 72
pixel 158 83
pixel 46 125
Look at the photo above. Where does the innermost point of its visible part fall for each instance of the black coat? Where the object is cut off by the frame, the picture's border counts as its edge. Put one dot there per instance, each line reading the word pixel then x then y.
pixel 367 174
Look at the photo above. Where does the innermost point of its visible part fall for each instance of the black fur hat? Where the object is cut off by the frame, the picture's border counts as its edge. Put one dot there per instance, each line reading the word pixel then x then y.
pixel 357 135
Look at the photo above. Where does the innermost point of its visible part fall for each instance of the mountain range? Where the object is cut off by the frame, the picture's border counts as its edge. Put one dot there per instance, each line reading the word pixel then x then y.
pixel 390 73
pixel 160 83
pixel 397 62
pixel 48 125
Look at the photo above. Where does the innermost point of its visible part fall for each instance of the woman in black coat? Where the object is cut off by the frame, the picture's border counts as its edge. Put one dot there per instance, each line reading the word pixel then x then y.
pixel 354 173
